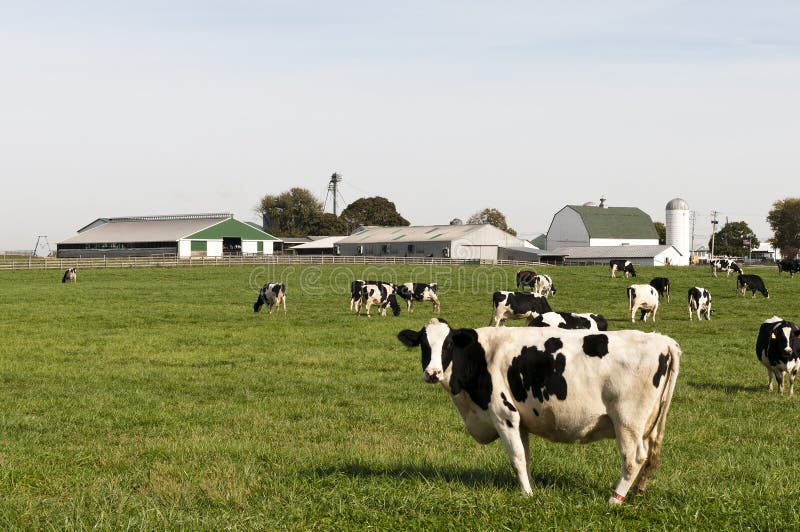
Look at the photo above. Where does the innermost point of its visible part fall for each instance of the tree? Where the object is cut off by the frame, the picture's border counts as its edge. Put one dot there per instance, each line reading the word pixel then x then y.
pixel 328 224
pixel 661 229
pixel 292 213
pixel 493 217
pixel 734 239
pixel 372 211
pixel 784 219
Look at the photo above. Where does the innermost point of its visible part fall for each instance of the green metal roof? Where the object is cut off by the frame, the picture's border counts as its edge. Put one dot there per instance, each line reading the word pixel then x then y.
pixel 616 222
pixel 233 228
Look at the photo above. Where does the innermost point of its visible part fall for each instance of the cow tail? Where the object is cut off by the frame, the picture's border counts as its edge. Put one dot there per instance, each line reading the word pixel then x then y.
pixel 656 435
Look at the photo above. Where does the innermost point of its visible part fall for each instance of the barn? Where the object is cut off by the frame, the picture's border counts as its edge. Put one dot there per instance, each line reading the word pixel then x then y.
pixel 467 241
pixel 597 225
pixel 185 235
pixel 651 255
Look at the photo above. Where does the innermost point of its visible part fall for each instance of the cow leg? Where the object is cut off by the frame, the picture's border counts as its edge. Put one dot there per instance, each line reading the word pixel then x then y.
pixel 792 375
pixel 515 440
pixel 769 374
pixel 633 454
pixel 284 306
pixel 779 380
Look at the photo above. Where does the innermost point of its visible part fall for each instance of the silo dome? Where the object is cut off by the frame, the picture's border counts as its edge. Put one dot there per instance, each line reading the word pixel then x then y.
pixel 677 204
pixel 679 228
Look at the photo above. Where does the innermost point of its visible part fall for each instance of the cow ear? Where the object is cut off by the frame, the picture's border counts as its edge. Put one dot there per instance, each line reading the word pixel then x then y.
pixel 410 338
pixel 464 337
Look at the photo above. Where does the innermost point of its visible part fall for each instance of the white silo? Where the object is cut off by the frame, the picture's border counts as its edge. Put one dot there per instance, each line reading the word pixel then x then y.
pixel 679 229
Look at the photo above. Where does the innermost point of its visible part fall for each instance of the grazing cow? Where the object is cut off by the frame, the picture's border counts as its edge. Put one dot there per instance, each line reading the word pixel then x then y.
pixel 525 278
pixel 622 265
pixel 751 282
pixel 569 320
pixel 543 285
pixel 271 295
pixel 700 302
pixel 420 292
pixel 516 305
pixel 355 294
pixel 644 297
pixel 788 265
pixel 661 284
pixel 381 294
pixel 726 265
pixel 566 386
pixel 70 274
pixel 778 348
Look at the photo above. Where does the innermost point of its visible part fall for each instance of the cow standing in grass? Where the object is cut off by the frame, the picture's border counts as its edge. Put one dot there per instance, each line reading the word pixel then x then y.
pixel 271 295
pixel 699 302
pixel 565 386
pixel 751 282
pixel 70 274
pixel 381 294
pixel 525 278
pixel 788 265
pixel 420 292
pixel 661 284
pixel 644 297
pixel 622 265
pixel 778 348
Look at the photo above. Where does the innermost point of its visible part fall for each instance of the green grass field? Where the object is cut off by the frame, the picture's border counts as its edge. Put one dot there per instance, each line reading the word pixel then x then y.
pixel 155 398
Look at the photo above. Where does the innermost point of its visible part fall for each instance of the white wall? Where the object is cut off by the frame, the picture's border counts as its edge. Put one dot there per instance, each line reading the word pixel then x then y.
pixel 214 248
pixel 623 242
pixel 268 247
pixel 184 248
pixel 249 247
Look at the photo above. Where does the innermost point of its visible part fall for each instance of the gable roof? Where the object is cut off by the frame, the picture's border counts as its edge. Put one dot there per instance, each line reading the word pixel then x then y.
pixel 168 228
pixel 616 222
pixel 371 234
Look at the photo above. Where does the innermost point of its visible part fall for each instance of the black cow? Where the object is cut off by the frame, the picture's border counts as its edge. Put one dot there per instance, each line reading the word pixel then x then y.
pixel 517 305
pixel 381 294
pixel 778 348
pixel 569 320
pixel 788 265
pixel 420 292
pixel 70 274
pixel 754 283
pixel 700 302
pixel 725 264
pixel 622 265
pixel 525 278
pixel 271 295
pixel 661 284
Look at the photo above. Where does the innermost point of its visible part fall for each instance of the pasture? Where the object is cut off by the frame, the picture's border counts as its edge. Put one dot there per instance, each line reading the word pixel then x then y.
pixel 155 398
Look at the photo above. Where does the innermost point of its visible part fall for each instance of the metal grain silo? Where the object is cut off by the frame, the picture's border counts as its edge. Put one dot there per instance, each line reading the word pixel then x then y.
pixel 679 228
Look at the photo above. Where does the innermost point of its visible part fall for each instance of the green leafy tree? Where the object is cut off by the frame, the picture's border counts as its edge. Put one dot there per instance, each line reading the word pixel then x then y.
pixel 784 219
pixel 661 229
pixel 372 211
pixel 293 213
pixel 734 239
pixel 493 217
pixel 328 224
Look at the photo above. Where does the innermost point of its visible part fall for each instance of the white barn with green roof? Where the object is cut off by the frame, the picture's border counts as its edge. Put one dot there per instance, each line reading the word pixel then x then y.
pixel 469 242
pixel 187 235
pixel 590 225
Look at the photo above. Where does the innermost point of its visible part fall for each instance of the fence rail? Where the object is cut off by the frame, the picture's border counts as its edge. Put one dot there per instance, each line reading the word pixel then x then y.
pixel 49 263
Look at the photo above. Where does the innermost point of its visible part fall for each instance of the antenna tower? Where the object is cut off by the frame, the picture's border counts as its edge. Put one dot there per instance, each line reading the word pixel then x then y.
pixel 41 239
pixel 333 191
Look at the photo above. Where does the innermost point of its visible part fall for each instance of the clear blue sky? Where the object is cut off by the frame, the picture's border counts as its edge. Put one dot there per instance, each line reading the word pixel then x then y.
pixel 113 108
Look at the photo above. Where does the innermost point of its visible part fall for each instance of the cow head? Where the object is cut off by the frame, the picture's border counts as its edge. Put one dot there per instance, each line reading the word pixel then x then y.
pixel 393 304
pixel 435 340
pixel 784 340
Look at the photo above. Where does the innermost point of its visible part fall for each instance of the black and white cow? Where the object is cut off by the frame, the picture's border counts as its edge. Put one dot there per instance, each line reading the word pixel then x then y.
pixel 420 292
pixel 355 294
pixel 525 278
pixel 271 295
pixel 565 386
pixel 381 294
pixel 788 265
pixel 726 265
pixel 778 348
pixel 516 305
pixel 569 320
pixel 622 265
pixel 543 285
pixel 644 297
pixel 699 302
pixel 751 282
pixel 70 274
pixel 661 284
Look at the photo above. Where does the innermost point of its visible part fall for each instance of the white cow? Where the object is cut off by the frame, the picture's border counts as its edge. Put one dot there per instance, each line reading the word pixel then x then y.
pixel 699 302
pixel 543 285
pixel 645 297
pixel 568 386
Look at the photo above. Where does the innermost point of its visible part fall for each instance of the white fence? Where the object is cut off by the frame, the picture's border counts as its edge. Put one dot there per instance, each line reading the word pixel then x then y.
pixel 39 263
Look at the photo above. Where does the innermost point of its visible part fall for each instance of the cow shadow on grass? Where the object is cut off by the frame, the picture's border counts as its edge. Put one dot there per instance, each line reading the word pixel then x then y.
pixel 726 388
pixel 470 477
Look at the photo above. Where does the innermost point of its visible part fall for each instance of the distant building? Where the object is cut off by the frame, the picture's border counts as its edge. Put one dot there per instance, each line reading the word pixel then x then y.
pixel 649 255
pixel 593 225
pixel 467 241
pixel 188 235
pixel 323 246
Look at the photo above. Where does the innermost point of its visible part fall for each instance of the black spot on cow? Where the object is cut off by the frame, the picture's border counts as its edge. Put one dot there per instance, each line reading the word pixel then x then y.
pixel 506 403
pixel 595 345
pixel 662 369
pixel 541 372
pixel 509 424
pixel 470 371
pixel 572 321
pixel 535 412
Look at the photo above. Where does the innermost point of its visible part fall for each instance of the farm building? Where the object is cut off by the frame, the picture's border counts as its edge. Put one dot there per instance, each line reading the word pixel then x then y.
pixel 206 235
pixel 649 255
pixel 470 242
pixel 597 225
pixel 322 246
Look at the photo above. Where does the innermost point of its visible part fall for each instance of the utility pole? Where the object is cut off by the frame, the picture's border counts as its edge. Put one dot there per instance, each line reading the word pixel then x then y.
pixel 333 187
pixel 714 223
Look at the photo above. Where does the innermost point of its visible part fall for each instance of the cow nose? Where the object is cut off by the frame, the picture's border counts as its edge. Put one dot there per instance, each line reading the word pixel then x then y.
pixel 431 376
